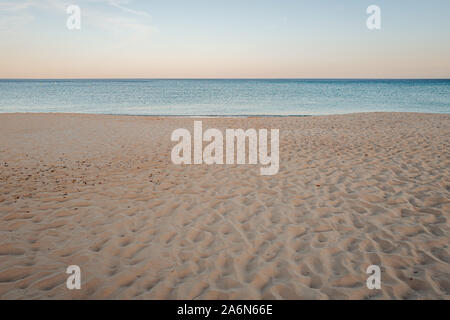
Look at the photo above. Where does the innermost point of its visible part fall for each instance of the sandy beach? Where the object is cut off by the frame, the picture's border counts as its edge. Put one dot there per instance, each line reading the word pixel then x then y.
pixel 101 192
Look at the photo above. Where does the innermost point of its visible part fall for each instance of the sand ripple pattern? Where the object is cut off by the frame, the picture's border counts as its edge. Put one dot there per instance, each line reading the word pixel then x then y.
pixel 100 192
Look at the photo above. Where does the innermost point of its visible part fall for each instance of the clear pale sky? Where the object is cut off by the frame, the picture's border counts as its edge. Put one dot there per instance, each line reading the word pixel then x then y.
pixel 225 39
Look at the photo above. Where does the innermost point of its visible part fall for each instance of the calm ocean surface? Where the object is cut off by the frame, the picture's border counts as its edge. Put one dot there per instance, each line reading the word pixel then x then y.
pixel 224 97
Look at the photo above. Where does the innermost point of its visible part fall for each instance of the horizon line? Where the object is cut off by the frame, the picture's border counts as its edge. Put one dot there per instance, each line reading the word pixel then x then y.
pixel 207 78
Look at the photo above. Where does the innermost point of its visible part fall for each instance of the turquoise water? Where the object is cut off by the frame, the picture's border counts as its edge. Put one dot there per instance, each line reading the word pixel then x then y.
pixel 224 97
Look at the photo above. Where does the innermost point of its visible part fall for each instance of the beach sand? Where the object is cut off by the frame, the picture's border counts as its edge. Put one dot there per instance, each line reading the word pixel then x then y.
pixel 100 192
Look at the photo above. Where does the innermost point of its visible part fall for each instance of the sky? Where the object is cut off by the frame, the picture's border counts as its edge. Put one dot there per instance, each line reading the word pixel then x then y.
pixel 224 39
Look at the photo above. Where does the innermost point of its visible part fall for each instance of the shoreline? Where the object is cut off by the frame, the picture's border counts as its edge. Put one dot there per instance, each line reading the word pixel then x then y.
pixel 232 116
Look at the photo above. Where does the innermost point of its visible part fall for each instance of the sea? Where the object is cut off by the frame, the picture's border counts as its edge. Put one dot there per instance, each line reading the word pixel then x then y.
pixel 224 97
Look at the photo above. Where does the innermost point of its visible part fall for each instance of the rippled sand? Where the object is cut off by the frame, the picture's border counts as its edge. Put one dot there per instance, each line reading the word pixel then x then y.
pixel 101 192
